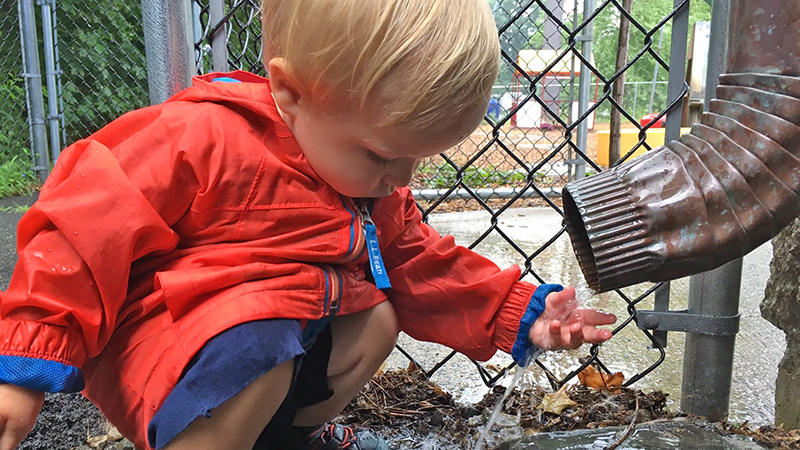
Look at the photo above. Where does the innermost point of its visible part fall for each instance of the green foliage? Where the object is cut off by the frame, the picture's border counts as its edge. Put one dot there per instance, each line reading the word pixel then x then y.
pixel 16 178
pixel 16 209
pixel 444 176
pixel 103 58
pixel 648 13
pixel 13 120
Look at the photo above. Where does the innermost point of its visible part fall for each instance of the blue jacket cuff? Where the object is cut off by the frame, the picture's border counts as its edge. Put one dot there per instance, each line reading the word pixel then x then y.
pixel 523 349
pixel 40 374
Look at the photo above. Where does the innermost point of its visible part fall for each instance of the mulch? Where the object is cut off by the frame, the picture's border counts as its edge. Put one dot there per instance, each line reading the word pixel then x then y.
pixel 405 407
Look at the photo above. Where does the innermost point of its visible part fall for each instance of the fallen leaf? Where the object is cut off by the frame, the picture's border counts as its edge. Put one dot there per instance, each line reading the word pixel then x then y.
pixel 557 401
pixel 413 367
pixel 590 377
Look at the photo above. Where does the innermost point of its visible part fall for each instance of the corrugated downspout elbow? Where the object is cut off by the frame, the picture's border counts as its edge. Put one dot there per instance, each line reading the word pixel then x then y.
pixel 715 194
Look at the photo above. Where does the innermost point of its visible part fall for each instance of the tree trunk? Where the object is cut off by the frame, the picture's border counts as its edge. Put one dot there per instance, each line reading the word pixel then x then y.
pixel 618 90
pixel 781 306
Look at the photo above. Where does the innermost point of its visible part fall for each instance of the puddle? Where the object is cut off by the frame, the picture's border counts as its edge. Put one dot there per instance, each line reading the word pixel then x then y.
pixel 666 436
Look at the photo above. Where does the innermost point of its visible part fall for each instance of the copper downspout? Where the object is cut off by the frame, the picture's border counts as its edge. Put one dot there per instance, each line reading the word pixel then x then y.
pixel 715 194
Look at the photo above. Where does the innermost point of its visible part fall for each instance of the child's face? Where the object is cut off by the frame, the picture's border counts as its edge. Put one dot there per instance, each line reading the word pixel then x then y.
pixel 359 159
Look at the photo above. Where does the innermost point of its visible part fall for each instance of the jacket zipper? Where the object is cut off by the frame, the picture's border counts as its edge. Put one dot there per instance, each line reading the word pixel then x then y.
pixel 364 236
pixel 333 278
pixel 333 290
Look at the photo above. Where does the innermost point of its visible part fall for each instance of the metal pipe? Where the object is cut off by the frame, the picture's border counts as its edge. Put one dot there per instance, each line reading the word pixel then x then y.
pixel 168 45
pixel 59 85
pixel 584 88
pixel 655 72
pixel 717 193
pixel 53 116
pixel 219 40
pixel 708 360
pixel 676 89
pixel 483 194
pixel 33 80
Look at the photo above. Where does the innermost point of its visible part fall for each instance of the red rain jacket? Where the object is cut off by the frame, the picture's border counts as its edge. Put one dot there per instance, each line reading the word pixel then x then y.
pixel 178 221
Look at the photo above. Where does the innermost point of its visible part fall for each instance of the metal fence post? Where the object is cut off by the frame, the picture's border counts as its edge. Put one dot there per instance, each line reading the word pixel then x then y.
pixel 169 47
pixel 584 88
pixel 676 89
pixel 33 82
pixel 708 360
pixel 54 115
pixel 219 38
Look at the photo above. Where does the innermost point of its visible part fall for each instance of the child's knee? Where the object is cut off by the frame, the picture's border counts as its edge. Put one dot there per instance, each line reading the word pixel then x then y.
pixel 386 320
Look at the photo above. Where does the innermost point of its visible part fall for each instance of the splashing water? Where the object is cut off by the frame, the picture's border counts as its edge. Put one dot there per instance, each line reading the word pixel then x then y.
pixel 582 294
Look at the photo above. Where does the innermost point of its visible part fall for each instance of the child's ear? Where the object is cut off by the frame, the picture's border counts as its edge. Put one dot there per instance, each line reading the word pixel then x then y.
pixel 285 90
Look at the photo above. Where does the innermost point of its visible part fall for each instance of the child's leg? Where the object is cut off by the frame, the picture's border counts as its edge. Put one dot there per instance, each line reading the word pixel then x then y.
pixel 361 342
pixel 238 422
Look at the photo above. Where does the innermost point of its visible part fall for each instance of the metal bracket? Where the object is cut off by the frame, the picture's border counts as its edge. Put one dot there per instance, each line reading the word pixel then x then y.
pixel 688 323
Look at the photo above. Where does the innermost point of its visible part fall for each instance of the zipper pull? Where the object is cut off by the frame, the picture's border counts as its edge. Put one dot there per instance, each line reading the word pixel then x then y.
pixel 373 249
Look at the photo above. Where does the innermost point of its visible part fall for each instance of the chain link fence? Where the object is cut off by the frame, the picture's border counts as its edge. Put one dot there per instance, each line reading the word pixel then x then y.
pixel 550 104
pixel 549 107
pixel 15 140
pixel 102 62
pixel 91 70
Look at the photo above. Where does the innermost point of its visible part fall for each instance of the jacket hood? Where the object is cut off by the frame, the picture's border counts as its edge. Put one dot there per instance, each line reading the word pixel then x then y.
pixel 250 96
pixel 236 89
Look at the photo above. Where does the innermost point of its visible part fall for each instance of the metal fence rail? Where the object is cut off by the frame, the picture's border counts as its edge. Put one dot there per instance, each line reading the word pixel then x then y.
pixel 536 133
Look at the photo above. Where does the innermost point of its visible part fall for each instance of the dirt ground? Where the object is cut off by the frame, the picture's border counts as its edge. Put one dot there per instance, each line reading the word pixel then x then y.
pixel 414 413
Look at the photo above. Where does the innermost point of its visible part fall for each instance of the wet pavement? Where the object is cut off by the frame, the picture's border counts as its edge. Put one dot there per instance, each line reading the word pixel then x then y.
pixel 759 345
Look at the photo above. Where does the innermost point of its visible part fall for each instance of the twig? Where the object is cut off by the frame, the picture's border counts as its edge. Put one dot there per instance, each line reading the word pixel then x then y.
pixel 628 431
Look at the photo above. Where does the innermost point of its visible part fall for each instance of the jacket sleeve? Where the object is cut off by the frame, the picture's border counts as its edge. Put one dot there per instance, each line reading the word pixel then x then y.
pixel 102 207
pixel 446 293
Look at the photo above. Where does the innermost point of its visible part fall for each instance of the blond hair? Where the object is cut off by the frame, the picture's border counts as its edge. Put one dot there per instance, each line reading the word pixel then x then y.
pixel 423 60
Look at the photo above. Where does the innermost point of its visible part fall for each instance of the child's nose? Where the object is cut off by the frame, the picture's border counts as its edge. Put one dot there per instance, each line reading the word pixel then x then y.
pixel 402 171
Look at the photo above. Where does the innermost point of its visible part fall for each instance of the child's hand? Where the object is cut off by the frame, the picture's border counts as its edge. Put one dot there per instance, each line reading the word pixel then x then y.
pixel 18 410
pixel 564 325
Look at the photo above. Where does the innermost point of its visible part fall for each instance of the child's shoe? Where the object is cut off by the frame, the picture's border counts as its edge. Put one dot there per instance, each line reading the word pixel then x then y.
pixel 333 436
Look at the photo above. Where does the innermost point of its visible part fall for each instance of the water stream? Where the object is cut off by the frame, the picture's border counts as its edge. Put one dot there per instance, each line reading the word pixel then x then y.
pixel 582 296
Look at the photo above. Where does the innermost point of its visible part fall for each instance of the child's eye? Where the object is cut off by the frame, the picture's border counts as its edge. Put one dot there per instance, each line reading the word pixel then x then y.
pixel 378 158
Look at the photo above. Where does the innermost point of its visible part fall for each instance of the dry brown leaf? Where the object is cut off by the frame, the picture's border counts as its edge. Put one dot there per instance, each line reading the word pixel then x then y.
pixel 557 401
pixel 590 377
pixel 412 367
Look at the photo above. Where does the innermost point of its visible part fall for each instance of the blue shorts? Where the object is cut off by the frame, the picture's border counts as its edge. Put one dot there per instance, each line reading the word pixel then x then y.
pixel 234 359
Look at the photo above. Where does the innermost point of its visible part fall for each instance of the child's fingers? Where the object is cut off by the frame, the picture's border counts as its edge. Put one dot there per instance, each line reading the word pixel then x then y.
pixel 555 327
pixel 593 335
pixel 572 335
pixel 595 317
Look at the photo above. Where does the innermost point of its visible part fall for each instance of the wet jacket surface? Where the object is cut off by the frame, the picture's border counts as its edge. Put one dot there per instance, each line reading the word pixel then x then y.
pixel 178 221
